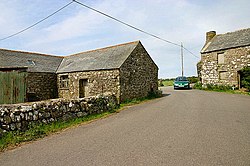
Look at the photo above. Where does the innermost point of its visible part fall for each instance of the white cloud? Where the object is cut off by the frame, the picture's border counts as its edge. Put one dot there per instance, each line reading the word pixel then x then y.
pixel 78 29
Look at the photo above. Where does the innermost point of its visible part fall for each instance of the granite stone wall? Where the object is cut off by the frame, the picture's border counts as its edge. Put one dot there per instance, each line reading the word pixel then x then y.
pixel 20 116
pixel 41 86
pixel 98 82
pixel 138 75
pixel 234 60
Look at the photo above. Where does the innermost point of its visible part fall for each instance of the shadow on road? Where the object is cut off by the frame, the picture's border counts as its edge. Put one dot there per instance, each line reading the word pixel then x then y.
pixel 165 95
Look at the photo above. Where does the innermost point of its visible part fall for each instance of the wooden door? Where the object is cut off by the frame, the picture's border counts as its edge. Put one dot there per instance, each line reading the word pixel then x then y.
pixel 83 88
pixel 12 87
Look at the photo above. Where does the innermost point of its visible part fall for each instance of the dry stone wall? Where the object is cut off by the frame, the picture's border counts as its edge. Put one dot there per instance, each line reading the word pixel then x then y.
pixel 20 116
pixel 234 60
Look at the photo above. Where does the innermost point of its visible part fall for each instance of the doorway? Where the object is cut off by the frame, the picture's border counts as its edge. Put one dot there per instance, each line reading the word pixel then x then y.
pixel 12 87
pixel 83 88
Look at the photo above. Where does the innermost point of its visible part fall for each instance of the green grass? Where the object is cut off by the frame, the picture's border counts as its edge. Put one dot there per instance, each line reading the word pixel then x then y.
pixel 133 102
pixel 36 131
pixel 168 82
pixel 220 88
pixel 230 91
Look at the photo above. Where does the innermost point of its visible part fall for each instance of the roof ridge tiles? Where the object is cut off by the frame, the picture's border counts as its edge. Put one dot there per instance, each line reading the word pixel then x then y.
pixel 239 30
pixel 26 52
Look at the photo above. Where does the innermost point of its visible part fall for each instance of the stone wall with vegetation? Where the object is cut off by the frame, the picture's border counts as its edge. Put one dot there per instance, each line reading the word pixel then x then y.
pixel 98 82
pixel 21 116
pixel 41 86
pixel 235 59
pixel 138 75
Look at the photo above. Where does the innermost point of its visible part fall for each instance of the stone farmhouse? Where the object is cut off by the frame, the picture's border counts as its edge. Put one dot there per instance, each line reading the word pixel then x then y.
pixel 126 70
pixel 223 57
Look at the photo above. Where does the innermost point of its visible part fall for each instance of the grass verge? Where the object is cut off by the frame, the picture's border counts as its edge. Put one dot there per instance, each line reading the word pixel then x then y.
pixel 220 88
pixel 166 83
pixel 36 131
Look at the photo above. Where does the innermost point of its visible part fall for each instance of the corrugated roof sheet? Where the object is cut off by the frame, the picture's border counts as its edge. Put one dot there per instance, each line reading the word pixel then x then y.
pixel 34 61
pixel 105 58
pixel 228 40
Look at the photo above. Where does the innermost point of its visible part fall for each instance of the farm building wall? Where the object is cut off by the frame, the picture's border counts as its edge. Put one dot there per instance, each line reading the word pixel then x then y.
pixel 222 67
pixel 138 75
pixel 41 86
pixel 89 83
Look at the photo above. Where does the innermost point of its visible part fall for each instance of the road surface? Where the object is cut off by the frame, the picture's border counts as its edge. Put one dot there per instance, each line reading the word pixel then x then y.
pixel 185 127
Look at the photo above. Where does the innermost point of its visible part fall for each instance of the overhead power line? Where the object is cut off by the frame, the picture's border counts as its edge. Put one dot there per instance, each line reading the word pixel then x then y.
pixel 190 52
pixel 113 18
pixel 131 26
pixel 124 23
pixel 36 22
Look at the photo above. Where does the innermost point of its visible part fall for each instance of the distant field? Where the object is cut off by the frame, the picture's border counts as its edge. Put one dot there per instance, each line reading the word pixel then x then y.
pixel 167 83
pixel 170 81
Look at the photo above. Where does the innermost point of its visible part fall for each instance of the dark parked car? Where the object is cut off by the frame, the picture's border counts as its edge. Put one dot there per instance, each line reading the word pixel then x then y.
pixel 181 83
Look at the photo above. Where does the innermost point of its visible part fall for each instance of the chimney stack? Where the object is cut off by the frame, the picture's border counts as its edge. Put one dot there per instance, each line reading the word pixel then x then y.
pixel 210 35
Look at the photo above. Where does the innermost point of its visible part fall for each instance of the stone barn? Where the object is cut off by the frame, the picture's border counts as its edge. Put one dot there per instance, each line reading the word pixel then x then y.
pixel 223 57
pixel 26 76
pixel 126 70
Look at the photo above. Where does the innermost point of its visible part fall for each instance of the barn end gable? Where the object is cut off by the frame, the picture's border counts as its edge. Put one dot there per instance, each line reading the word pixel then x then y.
pixel 138 74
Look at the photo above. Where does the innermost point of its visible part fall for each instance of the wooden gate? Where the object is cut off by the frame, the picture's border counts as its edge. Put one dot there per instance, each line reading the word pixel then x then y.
pixel 12 87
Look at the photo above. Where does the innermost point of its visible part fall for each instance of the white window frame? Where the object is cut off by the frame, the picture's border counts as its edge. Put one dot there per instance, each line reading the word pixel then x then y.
pixel 64 82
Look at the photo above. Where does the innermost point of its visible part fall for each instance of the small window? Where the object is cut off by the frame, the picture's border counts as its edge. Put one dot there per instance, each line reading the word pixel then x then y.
pixel 223 75
pixel 221 59
pixel 64 81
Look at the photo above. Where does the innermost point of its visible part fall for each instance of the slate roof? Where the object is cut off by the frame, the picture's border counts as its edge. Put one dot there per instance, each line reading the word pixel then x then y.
pixel 105 58
pixel 34 61
pixel 228 40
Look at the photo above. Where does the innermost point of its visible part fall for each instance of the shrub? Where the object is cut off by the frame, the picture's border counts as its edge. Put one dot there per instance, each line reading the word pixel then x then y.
pixel 160 83
pixel 193 79
pixel 197 85
pixel 245 78
pixel 218 87
pixel 211 87
pixel 152 95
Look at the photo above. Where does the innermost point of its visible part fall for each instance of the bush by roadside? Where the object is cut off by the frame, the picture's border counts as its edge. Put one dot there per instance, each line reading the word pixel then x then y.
pixel 245 78
pixel 219 88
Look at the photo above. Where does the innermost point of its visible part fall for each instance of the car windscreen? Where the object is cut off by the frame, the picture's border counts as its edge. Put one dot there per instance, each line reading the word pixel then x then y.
pixel 181 79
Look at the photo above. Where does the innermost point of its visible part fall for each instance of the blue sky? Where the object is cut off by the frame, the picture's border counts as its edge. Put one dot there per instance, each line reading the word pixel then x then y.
pixel 77 29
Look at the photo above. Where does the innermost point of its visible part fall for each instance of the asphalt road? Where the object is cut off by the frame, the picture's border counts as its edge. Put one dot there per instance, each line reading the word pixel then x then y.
pixel 185 127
